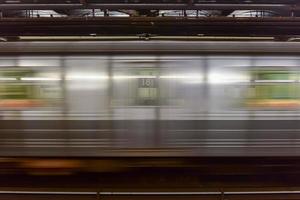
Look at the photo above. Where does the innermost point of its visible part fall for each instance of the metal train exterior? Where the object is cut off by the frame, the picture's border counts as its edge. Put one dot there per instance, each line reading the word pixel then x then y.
pixel 104 99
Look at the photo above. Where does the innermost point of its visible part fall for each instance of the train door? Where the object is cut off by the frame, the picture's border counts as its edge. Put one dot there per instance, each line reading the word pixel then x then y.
pixel 135 99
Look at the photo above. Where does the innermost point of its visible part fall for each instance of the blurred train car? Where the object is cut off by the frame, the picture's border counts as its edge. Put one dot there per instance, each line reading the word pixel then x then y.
pixel 148 99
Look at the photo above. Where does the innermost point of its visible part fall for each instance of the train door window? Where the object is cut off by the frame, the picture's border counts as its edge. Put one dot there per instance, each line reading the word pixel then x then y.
pixel 135 81
pixel 27 88
pixel 147 90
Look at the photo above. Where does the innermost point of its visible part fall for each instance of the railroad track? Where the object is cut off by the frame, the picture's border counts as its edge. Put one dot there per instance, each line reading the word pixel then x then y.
pixel 228 195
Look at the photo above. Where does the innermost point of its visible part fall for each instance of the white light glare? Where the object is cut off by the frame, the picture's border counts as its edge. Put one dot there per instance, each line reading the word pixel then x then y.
pixel 275 81
pixel 103 77
pixel 7 79
pixel 133 77
pixel 40 79
pixel 191 77
pixel 186 78
pixel 223 78
pixel 90 77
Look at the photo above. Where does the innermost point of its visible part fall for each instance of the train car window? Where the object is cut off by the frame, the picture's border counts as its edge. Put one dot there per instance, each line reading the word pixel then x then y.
pixel 24 88
pixel 227 81
pixel 87 85
pixel 274 89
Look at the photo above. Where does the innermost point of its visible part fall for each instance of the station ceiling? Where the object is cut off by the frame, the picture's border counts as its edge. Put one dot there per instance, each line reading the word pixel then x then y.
pixel 258 18
pixel 150 4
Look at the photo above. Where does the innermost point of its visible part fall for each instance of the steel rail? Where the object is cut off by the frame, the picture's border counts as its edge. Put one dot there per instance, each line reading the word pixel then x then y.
pixel 159 6
pixel 151 193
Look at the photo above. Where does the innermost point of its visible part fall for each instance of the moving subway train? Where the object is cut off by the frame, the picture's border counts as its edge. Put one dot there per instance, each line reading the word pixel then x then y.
pixel 149 99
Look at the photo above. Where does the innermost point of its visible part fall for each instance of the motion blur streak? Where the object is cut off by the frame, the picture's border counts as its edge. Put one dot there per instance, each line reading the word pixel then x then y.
pixel 191 104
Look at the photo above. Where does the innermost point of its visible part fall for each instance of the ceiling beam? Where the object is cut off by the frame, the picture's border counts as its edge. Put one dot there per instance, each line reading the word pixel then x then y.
pixel 207 26
pixel 157 6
